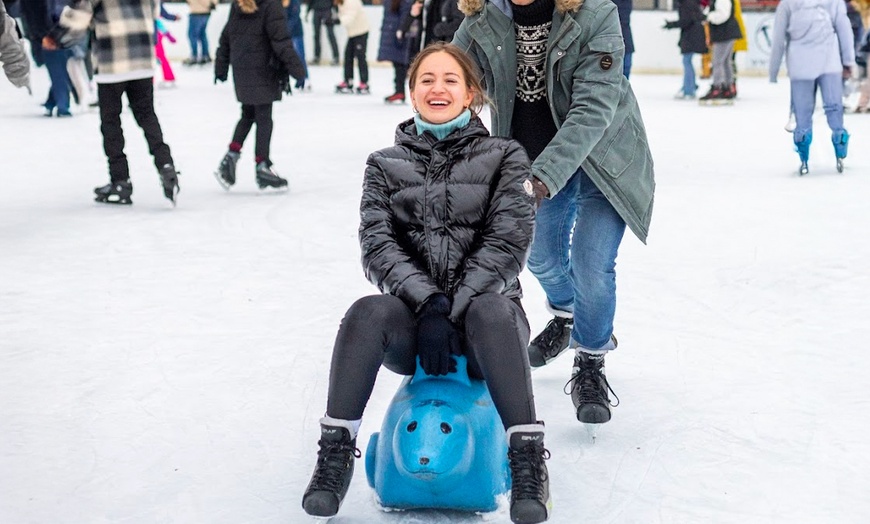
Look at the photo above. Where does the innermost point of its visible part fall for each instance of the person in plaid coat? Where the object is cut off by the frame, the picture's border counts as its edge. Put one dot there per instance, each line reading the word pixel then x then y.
pixel 125 65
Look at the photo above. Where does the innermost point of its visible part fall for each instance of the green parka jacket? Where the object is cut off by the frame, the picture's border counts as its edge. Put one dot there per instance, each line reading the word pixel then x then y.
pixel 599 124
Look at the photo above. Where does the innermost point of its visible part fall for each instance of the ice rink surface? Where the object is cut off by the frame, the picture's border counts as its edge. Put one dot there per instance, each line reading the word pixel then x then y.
pixel 163 365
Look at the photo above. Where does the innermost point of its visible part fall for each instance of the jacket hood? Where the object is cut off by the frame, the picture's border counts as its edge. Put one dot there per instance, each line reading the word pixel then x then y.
pixel 472 7
pixel 406 135
pixel 247 6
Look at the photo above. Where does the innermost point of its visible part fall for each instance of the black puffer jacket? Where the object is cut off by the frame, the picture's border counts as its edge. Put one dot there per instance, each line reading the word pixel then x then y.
pixel 255 43
pixel 453 216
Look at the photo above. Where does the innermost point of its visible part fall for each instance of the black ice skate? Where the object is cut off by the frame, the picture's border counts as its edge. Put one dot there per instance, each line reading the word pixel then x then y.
pixel 268 177
pixel 169 181
pixel 363 89
pixel 226 171
pixel 344 88
pixel 530 483
pixel 589 388
pixel 115 193
pixel 551 342
pixel 332 473
pixel 718 95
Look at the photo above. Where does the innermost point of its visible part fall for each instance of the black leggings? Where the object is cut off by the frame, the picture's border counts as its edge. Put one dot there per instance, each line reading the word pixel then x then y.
pixel 381 329
pixel 262 115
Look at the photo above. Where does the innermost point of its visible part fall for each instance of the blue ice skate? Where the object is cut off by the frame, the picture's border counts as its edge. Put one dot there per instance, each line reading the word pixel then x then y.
pixel 802 146
pixel 841 147
pixel 441 445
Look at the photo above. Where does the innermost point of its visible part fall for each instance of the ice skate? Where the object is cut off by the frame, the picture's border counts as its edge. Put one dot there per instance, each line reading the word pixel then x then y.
pixel 791 124
pixel 841 148
pixel 268 177
pixel 589 389
pixel 552 341
pixel 804 169
pixel 395 98
pixel 802 147
pixel 363 89
pixel 226 171
pixel 530 482
pixel 169 181
pixel 344 88
pixel 717 96
pixel 115 193
pixel 333 471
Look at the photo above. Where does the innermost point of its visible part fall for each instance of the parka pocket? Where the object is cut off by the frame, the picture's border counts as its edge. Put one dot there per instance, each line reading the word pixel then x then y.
pixel 623 147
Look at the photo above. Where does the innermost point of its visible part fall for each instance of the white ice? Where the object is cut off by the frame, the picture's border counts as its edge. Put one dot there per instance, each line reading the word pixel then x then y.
pixel 163 365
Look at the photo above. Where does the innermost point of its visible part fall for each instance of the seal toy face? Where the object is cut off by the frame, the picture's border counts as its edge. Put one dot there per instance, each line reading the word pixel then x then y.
pixel 433 442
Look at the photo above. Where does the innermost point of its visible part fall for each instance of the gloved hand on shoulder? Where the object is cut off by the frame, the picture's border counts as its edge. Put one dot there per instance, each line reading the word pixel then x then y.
pixel 437 336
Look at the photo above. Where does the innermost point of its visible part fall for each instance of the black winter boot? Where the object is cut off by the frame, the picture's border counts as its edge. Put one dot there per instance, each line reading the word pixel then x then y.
pixel 333 471
pixel 551 342
pixel 589 387
pixel 530 483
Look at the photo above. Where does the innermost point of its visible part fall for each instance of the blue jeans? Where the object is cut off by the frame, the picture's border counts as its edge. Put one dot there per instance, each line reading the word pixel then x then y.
pixel 299 47
pixel 689 85
pixel 626 64
pixel 577 237
pixel 803 99
pixel 197 35
pixel 58 94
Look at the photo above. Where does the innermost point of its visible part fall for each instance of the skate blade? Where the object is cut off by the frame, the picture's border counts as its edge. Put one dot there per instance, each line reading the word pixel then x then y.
pixel 591 431
pixel 114 199
pixel 273 189
pixel 840 166
pixel 172 195
pixel 224 184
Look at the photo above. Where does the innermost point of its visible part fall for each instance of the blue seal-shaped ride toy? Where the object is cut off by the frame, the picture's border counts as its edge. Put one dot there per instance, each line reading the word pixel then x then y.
pixel 441 445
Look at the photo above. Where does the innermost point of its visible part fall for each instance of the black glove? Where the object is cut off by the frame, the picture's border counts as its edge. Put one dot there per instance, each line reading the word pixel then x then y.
pixel 670 25
pixel 219 79
pixel 437 337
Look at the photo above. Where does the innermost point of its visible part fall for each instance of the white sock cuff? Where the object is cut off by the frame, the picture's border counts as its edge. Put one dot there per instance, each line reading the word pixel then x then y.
pixel 558 312
pixel 524 428
pixel 351 425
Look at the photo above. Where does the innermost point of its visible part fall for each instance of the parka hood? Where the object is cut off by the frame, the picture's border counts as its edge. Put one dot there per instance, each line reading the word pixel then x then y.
pixel 472 7
pixel 247 6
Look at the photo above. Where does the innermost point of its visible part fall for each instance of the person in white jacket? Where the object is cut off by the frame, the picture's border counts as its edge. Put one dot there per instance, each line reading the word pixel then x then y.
pixel 356 24
pixel 816 39
pixel 16 65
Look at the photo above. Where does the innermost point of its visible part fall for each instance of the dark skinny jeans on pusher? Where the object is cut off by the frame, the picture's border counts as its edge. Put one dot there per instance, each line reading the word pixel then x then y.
pixel 260 114
pixel 382 329
pixel 323 18
pixel 140 95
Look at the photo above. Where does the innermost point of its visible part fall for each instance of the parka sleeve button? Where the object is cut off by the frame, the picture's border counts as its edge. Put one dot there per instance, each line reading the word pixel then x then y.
pixel 498 47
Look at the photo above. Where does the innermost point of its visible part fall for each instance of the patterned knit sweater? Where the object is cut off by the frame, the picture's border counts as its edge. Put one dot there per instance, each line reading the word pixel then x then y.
pixel 532 124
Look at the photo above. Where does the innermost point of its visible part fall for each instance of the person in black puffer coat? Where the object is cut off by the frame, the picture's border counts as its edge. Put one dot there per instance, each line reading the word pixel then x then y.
pixel 447 218
pixel 256 43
